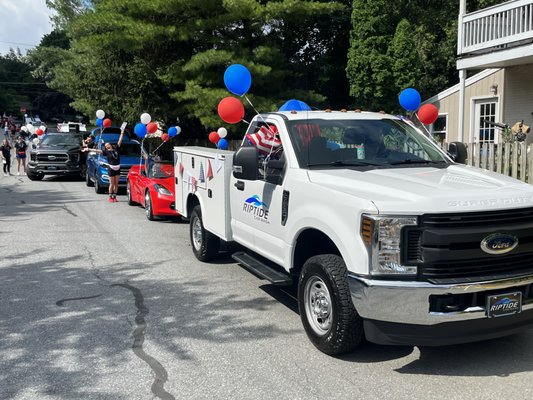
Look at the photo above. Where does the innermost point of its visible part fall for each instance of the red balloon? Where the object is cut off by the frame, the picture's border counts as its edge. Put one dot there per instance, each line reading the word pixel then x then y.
pixel 231 110
pixel 107 123
pixel 214 137
pixel 151 127
pixel 39 132
pixel 164 137
pixel 428 113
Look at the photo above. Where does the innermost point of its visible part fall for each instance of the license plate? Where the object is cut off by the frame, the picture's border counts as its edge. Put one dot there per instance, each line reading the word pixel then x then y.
pixel 52 167
pixel 504 304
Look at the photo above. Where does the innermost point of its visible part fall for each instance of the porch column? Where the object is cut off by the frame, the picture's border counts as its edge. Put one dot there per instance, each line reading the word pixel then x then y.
pixel 461 124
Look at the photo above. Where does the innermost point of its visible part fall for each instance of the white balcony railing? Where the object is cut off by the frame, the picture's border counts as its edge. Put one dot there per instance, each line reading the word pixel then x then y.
pixel 495 27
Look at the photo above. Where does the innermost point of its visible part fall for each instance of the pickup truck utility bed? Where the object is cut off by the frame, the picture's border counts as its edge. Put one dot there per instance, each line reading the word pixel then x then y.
pixel 386 236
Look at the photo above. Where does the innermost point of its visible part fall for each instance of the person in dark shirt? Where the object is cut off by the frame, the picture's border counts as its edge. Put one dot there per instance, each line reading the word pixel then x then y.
pixel 20 149
pixel 5 152
pixel 112 152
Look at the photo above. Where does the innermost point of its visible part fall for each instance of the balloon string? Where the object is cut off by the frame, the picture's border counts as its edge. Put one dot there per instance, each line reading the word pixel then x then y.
pixel 153 152
pixel 257 112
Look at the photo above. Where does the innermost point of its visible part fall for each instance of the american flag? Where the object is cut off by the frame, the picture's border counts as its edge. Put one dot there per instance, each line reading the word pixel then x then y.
pixel 266 140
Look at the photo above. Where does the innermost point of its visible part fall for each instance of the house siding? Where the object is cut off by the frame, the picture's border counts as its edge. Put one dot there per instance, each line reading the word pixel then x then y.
pixel 519 95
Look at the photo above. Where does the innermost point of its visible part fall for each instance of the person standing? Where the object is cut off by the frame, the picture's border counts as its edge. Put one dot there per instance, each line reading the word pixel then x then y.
pixel 20 149
pixel 112 153
pixel 5 153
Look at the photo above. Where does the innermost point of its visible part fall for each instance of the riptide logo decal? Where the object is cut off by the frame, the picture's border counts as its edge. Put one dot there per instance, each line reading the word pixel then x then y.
pixel 258 209
pixel 505 304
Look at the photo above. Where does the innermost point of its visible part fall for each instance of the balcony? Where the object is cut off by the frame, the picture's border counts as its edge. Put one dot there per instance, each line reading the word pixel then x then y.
pixel 497 36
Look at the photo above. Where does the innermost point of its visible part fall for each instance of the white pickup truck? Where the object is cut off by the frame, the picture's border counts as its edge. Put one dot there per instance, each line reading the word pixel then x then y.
pixel 387 236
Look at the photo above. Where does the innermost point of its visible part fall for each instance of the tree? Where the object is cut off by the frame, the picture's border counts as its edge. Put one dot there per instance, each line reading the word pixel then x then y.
pixel 410 44
pixel 168 56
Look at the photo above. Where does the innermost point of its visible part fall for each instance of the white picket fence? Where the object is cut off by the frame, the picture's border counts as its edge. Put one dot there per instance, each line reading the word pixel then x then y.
pixel 511 159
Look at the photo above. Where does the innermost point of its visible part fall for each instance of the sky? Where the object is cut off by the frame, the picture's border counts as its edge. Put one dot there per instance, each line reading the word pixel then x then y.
pixel 24 23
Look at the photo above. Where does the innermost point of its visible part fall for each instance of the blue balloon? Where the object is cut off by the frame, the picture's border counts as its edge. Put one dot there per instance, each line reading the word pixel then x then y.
pixel 295 105
pixel 140 130
pixel 237 79
pixel 172 131
pixel 410 99
pixel 99 122
pixel 223 144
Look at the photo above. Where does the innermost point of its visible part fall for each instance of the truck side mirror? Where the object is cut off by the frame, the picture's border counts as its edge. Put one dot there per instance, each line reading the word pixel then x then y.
pixel 245 164
pixel 458 153
pixel 274 169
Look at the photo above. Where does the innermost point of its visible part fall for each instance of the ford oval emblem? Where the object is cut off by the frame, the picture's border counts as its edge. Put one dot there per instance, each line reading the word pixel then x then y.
pixel 499 243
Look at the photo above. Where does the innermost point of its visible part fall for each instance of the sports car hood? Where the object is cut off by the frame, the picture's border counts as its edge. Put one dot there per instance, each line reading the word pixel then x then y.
pixel 458 188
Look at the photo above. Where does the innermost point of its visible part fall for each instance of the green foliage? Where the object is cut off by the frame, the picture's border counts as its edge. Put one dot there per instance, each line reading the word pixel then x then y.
pixel 391 48
pixel 168 57
pixel 16 83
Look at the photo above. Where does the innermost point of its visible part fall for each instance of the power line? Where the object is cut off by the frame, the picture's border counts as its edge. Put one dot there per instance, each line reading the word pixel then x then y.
pixel 19 44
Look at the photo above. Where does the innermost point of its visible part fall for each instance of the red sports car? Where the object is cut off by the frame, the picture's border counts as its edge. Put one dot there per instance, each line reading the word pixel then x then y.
pixel 152 186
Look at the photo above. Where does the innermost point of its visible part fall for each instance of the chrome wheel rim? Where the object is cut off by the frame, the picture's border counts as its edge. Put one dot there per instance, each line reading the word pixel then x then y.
pixel 148 205
pixel 318 307
pixel 197 233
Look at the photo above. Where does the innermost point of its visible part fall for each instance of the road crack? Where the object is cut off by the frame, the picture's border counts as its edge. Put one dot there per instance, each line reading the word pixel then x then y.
pixel 161 375
pixel 61 302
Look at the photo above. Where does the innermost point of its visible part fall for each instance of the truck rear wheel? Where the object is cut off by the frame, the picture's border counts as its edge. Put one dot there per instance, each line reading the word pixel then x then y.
pixel 205 245
pixel 326 307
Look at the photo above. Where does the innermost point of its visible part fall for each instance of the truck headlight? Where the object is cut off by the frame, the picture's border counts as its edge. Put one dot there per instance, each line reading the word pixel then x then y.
pixel 382 237
pixel 162 190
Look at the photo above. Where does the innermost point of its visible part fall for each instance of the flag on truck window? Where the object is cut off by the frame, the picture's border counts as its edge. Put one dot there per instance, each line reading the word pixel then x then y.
pixel 265 139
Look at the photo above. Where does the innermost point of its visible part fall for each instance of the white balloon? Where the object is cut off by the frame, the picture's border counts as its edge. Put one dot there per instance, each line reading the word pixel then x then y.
pixel 43 128
pixel 23 129
pixel 146 118
pixel 31 128
pixel 178 130
pixel 35 141
pixel 100 114
pixel 222 132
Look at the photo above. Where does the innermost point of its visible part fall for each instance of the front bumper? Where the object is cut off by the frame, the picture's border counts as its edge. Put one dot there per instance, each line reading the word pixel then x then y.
pixel 398 312
pixel 55 169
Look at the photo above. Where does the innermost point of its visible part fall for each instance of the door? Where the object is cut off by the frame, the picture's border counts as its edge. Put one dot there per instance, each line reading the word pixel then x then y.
pixel 256 207
pixel 485 114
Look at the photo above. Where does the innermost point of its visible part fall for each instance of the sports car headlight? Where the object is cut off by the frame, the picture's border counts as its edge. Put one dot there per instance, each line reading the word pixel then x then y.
pixel 382 237
pixel 162 190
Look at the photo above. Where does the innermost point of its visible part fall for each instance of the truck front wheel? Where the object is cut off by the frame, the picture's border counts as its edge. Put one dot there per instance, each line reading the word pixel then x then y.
pixel 326 307
pixel 205 245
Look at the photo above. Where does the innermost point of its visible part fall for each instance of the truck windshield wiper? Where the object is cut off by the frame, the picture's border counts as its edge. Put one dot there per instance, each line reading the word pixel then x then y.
pixel 355 163
pixel 410 161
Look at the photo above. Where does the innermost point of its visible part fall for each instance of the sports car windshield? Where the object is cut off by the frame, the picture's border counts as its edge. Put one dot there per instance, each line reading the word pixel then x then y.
pixel 159 170
pixel 62 140
pixel 368 143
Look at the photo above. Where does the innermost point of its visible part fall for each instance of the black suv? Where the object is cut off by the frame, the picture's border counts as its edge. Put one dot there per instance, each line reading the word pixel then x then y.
pixel 57 154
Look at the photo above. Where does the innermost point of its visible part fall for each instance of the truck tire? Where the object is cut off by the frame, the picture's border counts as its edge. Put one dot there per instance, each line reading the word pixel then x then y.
pixel 35 177
pixel 326 309
pixel 204 244
pixel 88 181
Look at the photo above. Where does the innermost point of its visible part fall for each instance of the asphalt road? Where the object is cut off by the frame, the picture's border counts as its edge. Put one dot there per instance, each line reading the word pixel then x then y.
pixel 99 303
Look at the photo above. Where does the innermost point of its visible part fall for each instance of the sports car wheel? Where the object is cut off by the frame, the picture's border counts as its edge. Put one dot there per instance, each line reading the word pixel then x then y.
pixel 148 206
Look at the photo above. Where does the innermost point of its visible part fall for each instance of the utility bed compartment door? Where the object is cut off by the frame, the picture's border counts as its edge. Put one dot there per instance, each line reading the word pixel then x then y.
pixel 205 173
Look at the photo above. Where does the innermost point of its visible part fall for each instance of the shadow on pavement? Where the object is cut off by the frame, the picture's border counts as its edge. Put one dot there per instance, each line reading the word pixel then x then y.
pixel 67 312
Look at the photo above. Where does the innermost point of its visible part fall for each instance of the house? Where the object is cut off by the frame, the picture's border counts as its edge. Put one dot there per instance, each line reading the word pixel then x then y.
pixel 495 48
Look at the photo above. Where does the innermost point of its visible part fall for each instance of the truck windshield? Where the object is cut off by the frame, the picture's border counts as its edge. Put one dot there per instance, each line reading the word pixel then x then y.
pixel 369 143
pixel 62 140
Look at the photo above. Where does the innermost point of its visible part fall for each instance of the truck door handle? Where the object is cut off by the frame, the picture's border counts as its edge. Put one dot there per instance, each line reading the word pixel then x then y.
pixel 239 185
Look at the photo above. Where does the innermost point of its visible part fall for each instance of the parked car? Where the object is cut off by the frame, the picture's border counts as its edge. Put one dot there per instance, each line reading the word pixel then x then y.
pixel 57 154
pixel 130 154
pixel 152 186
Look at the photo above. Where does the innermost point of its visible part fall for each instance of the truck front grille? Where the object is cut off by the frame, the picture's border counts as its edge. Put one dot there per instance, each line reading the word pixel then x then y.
pixel 52 158
pixel 447 248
